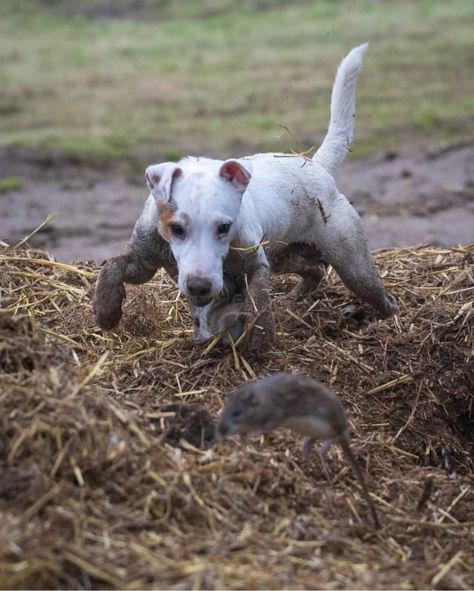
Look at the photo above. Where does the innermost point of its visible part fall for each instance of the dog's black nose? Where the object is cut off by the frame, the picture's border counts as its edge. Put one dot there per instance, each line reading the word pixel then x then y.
pixel 198 287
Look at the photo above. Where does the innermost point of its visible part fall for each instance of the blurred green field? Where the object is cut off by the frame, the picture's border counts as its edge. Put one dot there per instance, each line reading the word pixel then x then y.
pixel 155 79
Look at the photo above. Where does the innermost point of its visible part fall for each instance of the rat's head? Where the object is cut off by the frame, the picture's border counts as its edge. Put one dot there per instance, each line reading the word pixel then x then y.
pixel 220 316
pixel 198 202
pixel 247 410
pixel 229 318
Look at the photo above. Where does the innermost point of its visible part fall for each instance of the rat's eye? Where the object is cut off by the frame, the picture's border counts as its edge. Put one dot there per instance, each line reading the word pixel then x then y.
pixel 223 229
pixel 177 230
pixel 236 413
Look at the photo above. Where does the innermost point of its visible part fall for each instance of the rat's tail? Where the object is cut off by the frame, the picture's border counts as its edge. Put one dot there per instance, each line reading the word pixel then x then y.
pixel 341 124
pixel 360 477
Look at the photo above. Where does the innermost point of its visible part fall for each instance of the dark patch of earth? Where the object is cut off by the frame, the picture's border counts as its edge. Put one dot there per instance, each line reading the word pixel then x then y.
pixel 404 199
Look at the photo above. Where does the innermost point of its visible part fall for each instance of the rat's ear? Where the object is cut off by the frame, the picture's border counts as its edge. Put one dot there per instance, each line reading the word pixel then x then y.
pixel 160 177
pixel 233 172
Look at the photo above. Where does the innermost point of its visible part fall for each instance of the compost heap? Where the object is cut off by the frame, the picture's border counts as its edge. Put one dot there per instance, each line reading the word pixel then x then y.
pixel 108 478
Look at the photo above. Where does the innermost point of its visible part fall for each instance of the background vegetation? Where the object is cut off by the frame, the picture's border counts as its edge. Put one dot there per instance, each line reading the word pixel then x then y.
pixel 158 78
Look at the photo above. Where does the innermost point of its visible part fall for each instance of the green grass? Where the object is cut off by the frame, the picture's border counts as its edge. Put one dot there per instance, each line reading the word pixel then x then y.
pixel 10 183
pixel 223 77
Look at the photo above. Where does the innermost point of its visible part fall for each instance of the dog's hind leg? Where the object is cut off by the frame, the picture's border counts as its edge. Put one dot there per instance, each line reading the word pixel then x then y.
pixel 311 276
pixel 346 249
pixel 146 253
pixel 361 277
pixel 304 260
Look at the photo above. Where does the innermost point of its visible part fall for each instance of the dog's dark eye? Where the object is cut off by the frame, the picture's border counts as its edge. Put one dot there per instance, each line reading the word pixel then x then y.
pixel 177 230
pixel 223 228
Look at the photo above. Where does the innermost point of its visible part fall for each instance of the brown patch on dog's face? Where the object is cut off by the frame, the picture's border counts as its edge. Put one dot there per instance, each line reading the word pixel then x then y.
pixel 167 213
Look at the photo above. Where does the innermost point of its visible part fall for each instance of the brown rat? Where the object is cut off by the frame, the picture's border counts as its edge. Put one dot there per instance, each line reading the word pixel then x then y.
pixel 226 314
pixel 297 402
pixel 229 318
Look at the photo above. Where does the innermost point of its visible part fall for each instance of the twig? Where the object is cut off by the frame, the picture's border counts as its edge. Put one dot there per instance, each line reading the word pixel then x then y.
pixel 49 217
pixel 405 379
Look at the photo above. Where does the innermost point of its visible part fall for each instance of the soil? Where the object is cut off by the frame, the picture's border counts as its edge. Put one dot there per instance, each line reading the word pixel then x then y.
pixel 191 423
pixel 405 198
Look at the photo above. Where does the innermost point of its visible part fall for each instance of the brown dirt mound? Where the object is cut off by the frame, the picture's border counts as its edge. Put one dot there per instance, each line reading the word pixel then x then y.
pixel 99 487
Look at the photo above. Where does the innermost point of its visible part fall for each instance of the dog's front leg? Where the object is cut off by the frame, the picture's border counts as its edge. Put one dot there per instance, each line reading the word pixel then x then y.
pixel 146 253
pixel 258 303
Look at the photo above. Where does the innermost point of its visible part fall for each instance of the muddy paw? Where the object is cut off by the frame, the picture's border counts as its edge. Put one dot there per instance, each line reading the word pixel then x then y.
pixel 391 305
pixel 107 305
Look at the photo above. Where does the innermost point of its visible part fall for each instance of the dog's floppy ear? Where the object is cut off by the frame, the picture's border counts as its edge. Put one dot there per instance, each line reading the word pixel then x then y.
pixel 160 177
pixel 236 174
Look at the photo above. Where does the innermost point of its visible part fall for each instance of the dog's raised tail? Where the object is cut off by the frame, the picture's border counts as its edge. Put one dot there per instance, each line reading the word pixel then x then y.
pixel 338 139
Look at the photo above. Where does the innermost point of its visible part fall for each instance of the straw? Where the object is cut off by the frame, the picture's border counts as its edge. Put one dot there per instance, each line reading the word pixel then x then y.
pixel 103 486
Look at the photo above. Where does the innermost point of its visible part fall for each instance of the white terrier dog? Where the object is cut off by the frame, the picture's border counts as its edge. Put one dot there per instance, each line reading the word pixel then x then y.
pixel 210 217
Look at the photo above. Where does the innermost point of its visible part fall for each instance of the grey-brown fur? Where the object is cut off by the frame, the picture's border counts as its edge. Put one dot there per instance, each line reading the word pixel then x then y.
pixel 297 402
pixel 229 318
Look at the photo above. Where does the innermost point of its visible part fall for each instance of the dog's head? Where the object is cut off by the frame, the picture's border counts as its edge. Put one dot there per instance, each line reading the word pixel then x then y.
pixel 198 201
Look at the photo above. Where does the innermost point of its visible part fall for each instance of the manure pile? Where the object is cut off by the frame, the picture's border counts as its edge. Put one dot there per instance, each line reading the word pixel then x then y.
pixel 103 484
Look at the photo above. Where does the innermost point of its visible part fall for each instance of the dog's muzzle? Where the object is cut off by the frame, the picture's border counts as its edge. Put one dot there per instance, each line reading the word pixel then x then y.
pixel 199 290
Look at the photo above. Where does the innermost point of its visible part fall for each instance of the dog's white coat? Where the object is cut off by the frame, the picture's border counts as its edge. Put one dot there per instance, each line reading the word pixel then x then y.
pixel 287 199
